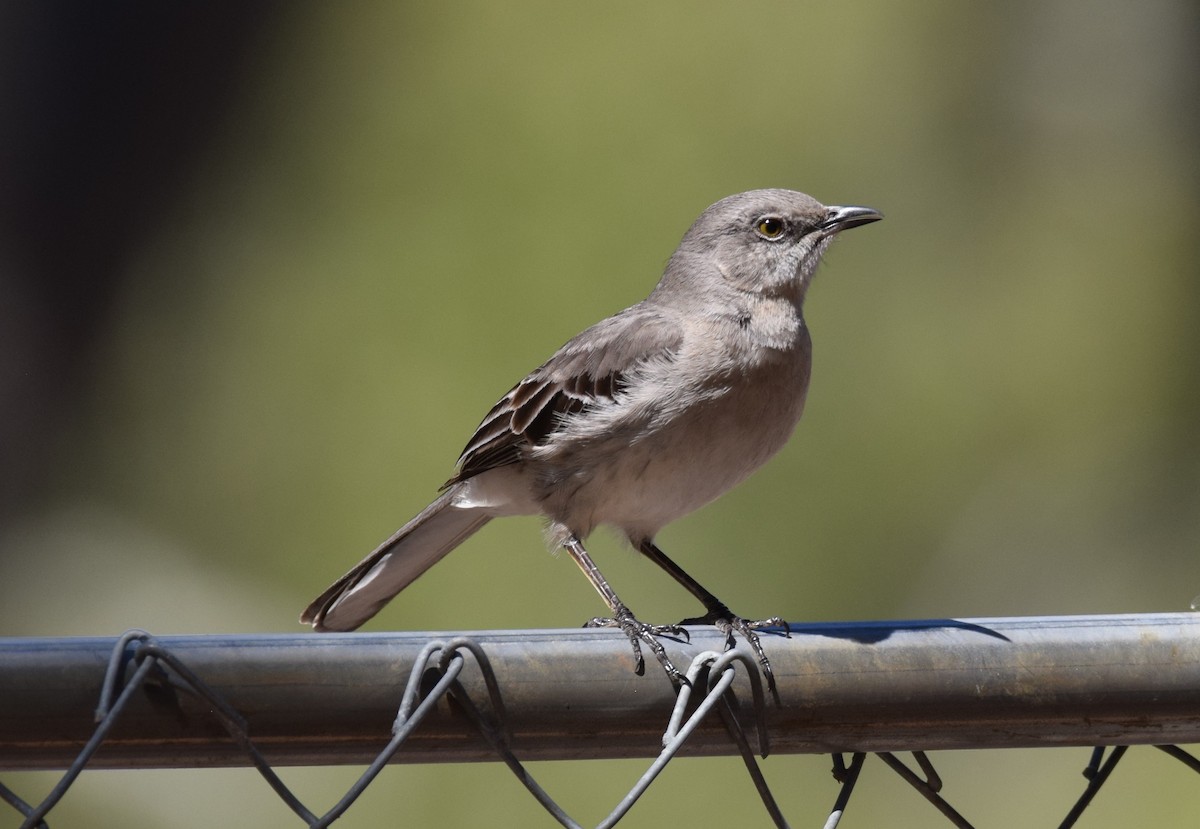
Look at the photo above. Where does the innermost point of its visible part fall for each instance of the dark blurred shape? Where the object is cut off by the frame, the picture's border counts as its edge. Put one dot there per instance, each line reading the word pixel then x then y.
pixel 104 109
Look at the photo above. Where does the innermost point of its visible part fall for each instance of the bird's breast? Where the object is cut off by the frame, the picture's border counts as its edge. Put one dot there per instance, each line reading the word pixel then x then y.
pixel 684 433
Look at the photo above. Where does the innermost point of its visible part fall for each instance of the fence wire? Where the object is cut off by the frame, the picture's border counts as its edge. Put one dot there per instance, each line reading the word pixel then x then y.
pixel 140 666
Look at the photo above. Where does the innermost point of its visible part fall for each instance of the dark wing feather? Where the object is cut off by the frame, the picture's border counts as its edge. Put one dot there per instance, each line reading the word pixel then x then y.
pixel 591 367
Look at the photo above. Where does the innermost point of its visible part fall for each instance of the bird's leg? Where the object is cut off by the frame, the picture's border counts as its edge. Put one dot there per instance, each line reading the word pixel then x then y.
pixel 638 632
pixel 718 614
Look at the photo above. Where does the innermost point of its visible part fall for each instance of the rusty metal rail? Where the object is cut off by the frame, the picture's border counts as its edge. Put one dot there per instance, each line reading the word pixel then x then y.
pixel 324 699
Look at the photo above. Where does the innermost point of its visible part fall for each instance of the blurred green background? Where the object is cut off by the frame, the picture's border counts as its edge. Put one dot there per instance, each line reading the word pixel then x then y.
pixel 266 266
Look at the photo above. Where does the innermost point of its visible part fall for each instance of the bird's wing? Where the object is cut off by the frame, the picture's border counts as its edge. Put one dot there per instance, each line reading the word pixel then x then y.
pixel 591 368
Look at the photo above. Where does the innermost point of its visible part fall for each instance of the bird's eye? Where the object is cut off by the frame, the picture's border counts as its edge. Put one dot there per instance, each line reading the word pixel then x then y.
pixel 769 227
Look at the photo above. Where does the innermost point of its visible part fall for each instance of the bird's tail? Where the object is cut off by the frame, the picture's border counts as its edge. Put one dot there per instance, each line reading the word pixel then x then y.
pixel 395 564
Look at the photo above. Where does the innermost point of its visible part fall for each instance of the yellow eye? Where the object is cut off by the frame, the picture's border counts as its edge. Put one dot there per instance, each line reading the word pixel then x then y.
pixel 769 227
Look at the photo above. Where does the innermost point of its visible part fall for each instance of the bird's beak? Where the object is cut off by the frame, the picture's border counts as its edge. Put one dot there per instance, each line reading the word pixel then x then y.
pixel 844 218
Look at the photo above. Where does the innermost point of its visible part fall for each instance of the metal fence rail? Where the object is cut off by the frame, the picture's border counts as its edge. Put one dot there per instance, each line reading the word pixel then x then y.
pixel 883 687
pixel 322 699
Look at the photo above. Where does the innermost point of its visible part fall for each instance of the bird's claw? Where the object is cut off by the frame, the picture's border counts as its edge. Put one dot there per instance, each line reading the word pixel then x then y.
pixel 639 632
pixel 728 624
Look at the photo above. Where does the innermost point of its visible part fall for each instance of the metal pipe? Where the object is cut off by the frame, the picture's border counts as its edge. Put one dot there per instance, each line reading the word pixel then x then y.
pixel 325 699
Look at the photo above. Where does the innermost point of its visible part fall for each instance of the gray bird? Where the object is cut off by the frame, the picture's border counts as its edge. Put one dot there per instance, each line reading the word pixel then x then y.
pixel 640 419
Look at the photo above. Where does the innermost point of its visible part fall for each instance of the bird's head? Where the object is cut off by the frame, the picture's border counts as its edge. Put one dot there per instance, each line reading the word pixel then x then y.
pixel 762 241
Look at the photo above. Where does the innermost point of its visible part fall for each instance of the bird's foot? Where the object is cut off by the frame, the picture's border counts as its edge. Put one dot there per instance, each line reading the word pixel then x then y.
pixel 728 624
pixel 639 632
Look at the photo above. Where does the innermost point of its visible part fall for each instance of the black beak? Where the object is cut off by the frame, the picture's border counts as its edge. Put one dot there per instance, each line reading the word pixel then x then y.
pixel 844 218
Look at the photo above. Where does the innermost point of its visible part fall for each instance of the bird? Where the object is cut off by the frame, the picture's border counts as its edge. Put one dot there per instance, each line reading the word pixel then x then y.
pixel 640 419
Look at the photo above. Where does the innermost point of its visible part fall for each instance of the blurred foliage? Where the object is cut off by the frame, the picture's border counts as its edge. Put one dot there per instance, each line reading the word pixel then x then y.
pixel 410 206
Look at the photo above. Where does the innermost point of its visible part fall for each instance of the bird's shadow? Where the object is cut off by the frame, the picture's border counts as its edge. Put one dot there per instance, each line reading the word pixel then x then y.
pixel 870 633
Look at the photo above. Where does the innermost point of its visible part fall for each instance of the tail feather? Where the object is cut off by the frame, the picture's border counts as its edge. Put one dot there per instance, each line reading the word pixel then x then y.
pixel 395 564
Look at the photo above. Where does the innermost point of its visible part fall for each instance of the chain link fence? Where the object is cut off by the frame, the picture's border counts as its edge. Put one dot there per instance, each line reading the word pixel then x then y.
pixel 849 690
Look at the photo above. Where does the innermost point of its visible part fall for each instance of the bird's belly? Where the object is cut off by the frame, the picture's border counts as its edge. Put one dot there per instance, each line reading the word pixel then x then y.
pixel 685 461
